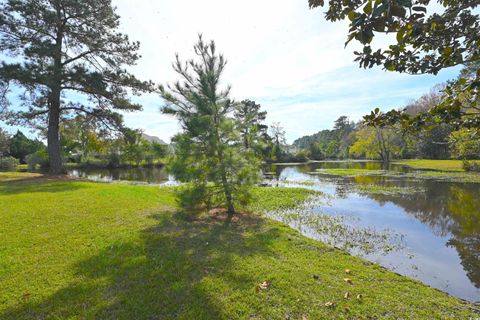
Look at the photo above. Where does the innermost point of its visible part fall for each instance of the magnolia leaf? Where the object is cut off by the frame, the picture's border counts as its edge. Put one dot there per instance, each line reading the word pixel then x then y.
pixel 418 8
pixel 368 8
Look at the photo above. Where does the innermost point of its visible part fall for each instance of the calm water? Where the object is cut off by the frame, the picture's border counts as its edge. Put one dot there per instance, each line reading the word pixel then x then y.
pixel 437 224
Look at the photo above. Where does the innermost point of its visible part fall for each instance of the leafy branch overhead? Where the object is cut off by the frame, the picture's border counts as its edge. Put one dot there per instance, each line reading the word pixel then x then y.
pixel 424 42
pixel 427 36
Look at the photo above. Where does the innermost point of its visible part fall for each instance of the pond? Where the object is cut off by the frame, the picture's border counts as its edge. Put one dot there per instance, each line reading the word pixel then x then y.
pixel 427 229
pixel 431 226
pixel 155 175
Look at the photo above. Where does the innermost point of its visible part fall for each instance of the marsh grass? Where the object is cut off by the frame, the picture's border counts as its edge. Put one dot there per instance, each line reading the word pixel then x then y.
pixel 350 172
pixel 386 190
pixel 445 165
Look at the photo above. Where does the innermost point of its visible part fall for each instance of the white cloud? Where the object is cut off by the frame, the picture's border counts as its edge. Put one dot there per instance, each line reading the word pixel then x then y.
pixel 280 53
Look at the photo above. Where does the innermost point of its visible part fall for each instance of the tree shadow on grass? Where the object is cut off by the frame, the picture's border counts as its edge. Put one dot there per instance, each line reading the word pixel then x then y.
pixel 41 183
pixel 167 274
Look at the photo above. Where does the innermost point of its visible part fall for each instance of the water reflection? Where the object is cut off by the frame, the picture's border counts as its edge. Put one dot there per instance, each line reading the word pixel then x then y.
pixel 439 219
pixel 145 175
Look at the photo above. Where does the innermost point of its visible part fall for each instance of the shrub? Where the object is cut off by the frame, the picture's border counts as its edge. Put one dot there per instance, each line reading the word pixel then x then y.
pixel 471 166
pixel 39 158
pixel 114 159
pixel 8 162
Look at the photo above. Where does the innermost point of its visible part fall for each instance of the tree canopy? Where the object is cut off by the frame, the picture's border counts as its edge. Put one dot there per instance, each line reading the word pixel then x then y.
pixel 209 152
pixel 428 36
pixel 68 58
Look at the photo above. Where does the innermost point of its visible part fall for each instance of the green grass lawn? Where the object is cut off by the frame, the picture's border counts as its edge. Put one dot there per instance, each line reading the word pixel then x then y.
pixel 81 250
pixel 447 165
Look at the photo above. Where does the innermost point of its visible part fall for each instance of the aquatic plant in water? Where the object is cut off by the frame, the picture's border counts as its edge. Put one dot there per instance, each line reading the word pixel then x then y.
pixel 342 232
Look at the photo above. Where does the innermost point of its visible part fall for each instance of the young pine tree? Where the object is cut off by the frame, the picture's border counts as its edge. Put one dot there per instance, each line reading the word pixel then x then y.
pixel 209 154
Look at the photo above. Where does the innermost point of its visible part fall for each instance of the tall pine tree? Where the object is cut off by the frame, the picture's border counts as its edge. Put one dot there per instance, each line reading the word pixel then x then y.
pixel 67 57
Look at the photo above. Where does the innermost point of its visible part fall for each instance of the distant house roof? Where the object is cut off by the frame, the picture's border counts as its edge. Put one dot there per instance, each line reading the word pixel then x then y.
pixel 153 139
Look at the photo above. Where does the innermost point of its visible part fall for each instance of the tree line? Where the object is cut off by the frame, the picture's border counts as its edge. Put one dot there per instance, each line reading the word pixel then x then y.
pixel 388 142
pixel 82 145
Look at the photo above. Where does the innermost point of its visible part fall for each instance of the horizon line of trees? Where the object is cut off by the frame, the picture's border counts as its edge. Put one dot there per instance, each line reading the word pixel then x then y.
pixel 362 140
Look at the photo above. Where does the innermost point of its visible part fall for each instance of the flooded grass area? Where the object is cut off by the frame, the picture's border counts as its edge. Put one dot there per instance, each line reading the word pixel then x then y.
pixel 422 224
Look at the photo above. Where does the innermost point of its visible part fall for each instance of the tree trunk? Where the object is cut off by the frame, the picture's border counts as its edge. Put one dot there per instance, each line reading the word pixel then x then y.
pixel 53 135
pixel 54 152
pixel 226 190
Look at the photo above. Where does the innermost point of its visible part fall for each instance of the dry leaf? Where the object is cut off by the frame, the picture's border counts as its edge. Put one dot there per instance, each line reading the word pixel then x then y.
pixel 330 304
pixel 348 280
pixel 359 296
pixel 262 286
pixel 347 295
pixel 348 271
pixel 26 295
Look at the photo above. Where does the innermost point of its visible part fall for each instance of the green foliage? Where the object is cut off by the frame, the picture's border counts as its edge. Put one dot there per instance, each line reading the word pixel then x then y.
pixel 316 151
pixel 82 141
pixel 209 153
pixel 465 144
pixel 8 162
pixel 329 144
pixel 39 158
pixel 471 166
pixel 424 43
pixel 250 124
pixel 133 153
pixel 376 143
pixel 300 156
pixel 21 146
pixel 4 143
pixel 69 48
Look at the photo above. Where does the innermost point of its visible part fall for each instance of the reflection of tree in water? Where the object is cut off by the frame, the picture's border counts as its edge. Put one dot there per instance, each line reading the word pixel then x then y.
pixel 448 209
pixel 465 210
pixel 429 206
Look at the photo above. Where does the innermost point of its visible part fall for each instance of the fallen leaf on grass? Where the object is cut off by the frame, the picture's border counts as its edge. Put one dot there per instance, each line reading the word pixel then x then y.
pixel 348 280
pixel 348 271
pixel 359 296
pixel 346 295
pixel 330 304
pixel 262 286
pixel 26 295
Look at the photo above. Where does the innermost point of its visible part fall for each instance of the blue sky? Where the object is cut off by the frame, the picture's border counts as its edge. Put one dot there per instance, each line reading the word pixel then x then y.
pixel 280 54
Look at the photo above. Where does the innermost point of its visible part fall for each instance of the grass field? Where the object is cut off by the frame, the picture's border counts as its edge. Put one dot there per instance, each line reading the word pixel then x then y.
pixel 81 250
pixel 448 165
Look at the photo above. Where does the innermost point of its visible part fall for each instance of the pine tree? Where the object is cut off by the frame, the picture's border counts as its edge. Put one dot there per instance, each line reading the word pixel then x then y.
pixel 64 49
pixel 208 153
